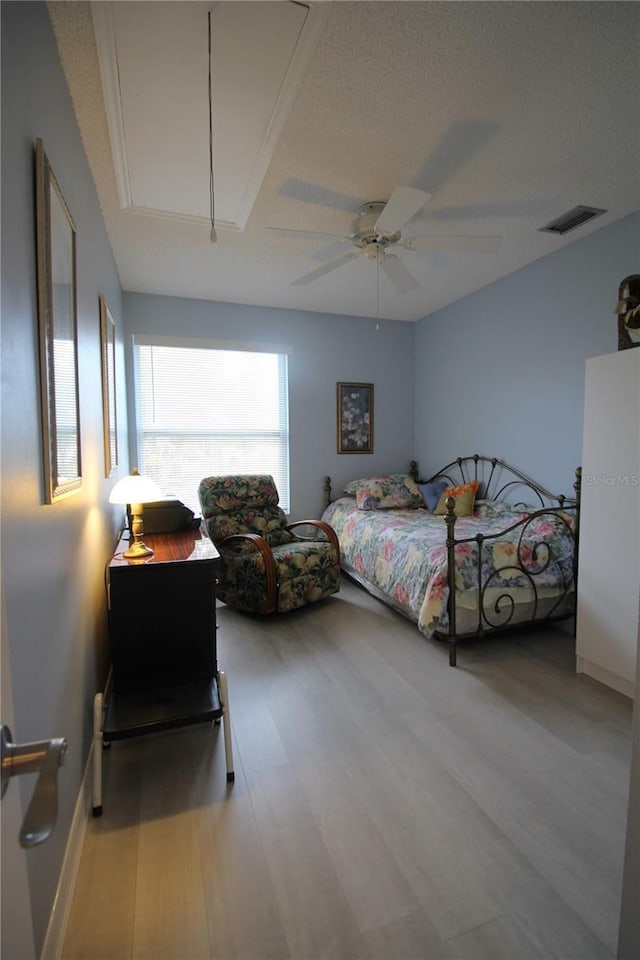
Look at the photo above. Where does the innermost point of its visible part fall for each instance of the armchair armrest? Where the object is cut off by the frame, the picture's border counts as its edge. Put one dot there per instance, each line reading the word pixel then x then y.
pixel 329 532
pixel 270 578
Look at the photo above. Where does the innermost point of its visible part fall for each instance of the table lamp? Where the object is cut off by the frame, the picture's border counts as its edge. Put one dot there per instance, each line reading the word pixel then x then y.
pixel 136 490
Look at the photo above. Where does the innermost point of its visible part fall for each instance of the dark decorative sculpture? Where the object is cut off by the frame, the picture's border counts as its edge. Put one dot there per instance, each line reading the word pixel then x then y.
pixel 628 310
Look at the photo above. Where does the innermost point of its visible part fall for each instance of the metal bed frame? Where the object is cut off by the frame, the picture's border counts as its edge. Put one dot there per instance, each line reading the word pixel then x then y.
pixel 499 481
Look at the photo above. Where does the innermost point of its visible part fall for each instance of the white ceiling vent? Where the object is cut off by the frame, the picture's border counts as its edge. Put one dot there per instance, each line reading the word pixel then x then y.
pixel 572 219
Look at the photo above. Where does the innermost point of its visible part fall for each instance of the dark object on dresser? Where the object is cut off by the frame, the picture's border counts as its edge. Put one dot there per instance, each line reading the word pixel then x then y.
pixel 168 515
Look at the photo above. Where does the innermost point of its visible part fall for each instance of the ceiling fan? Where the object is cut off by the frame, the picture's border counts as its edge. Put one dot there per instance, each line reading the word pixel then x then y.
pixel 378 227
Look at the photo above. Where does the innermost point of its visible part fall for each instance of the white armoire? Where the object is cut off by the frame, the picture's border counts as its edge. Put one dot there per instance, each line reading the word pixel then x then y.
pixel 608 619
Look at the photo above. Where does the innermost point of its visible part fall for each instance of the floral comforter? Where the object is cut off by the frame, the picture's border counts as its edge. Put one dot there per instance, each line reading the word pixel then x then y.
pixel 402 553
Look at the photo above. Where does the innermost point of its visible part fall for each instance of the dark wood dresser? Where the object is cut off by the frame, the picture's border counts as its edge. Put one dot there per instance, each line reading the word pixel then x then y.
pixel 162 629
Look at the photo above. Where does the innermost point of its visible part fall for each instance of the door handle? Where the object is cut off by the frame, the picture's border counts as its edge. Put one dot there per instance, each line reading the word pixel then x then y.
pixel 43 757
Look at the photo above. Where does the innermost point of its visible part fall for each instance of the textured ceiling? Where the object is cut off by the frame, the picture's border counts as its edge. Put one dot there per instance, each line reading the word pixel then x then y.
pixel 508 114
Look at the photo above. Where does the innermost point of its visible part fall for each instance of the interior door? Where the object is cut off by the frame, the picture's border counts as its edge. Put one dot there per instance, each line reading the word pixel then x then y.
pixel 16 937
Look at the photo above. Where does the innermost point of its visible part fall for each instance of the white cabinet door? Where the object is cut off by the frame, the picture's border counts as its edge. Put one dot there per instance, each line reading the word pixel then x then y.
pixel 609 560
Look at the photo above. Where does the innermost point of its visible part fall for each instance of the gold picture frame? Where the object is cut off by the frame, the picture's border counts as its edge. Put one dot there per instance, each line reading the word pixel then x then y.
pixel 58 335
pixel 355 417
pixel 109 403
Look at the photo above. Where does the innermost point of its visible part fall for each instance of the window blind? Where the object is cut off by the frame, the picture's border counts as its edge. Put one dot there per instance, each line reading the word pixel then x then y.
pixel 204 411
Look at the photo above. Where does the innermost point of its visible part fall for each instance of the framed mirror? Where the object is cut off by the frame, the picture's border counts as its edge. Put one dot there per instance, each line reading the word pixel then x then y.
pixel 58 335
pixel 109 410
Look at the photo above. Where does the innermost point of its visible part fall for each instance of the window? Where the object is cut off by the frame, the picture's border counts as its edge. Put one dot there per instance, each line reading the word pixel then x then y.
pixel 203 411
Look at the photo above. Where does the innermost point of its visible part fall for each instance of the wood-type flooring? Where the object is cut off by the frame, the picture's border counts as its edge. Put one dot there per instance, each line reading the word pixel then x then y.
pixel 385 805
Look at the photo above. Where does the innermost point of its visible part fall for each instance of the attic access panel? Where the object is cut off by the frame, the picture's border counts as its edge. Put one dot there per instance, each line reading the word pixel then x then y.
pixel 154 68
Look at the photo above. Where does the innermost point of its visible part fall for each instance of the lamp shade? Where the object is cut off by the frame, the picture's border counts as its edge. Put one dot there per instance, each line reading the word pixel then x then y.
pixel 135 489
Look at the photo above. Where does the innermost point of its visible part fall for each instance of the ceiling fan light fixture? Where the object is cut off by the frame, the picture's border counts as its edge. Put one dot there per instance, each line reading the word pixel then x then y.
pixel 378 229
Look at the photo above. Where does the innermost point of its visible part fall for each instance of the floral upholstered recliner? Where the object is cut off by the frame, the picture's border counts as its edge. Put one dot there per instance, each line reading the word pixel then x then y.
pixel 265 566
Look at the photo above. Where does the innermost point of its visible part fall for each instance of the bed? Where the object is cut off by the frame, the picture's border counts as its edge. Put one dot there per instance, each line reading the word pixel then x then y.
pixel 487 550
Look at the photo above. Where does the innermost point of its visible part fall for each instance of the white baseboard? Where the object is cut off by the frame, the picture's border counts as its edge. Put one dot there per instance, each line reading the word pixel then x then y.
pixel 59 917
pixel 603 675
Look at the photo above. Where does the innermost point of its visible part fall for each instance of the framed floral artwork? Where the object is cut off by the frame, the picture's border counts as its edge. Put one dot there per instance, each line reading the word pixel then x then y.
pixel 355 417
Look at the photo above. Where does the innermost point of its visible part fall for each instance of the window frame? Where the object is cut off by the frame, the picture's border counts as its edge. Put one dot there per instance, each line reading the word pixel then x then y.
pixel 282 351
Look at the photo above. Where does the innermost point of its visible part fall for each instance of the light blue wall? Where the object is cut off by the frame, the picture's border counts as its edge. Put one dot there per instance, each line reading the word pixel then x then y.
pixel 325 349
pixel 501 372
pixel 53 556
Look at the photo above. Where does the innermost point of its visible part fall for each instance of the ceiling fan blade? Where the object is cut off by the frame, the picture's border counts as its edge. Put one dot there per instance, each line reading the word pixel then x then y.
pixel 396 272
pixel 403 203
pixel 453 244
pixel 307 234
pixel 330 251
pixel 320 272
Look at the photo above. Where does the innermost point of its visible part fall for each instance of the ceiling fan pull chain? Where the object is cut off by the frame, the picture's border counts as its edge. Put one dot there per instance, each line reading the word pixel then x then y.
pixel 212 205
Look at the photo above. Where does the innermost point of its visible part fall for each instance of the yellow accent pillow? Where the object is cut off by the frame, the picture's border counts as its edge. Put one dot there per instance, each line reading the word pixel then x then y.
pixel 464 495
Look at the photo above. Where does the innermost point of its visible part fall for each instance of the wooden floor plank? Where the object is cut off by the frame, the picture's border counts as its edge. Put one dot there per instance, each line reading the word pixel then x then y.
pixel 242 909
pixel 103 908
pixel 317 918
pixel 495 940
pixel 170 899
